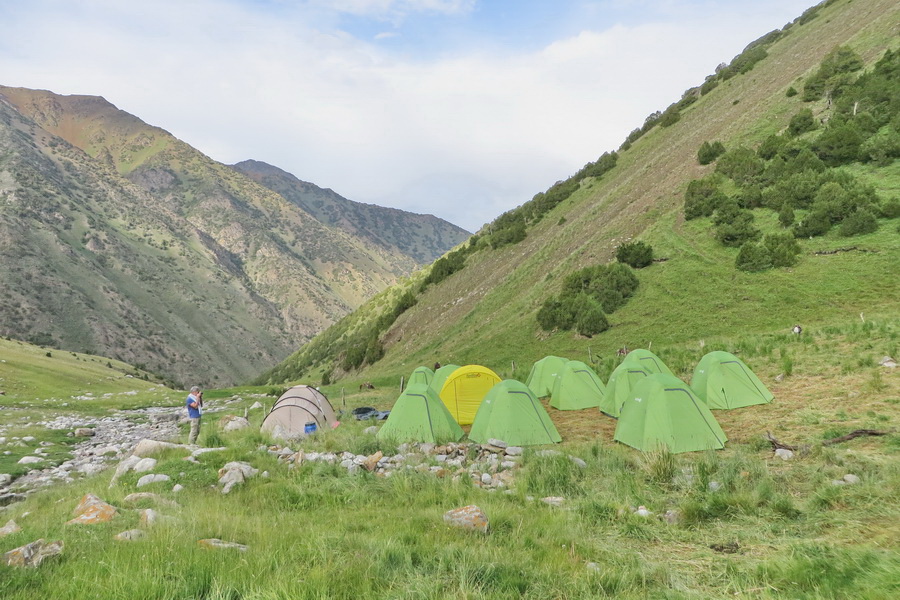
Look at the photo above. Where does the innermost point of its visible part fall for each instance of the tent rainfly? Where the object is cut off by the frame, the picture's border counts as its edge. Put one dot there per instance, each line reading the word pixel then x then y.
pixel 464 390
pixel 440 376
pixel 299 411
pixel 618 388
pixel 663 412
pixel 421 375
pixel 543 375
pixel 722 380
pixel 577 387
pixel 419 415
pixel 651 363
pixel 512 413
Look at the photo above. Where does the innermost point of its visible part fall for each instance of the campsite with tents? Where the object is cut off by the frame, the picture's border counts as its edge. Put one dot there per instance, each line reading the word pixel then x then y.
pixel 671 375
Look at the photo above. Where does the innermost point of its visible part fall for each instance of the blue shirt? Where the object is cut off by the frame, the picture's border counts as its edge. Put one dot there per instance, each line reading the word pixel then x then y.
pixel 193 413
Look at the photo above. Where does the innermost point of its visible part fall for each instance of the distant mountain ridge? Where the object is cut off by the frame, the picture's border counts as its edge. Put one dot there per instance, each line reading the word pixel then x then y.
pixel 423 237
pixel 119 239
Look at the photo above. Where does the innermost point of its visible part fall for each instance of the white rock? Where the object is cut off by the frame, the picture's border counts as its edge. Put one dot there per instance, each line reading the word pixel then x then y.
pixel 497 443
pixel 578 462
pixel 177 487
pixel 236 424
pixel 255 406
pixel 851 478
pixel 554 500
pixel 784 454
pixel 30 460
pixel 486 478
pixel 714 486
pixel 152 478
pixel 643 512
pixel 129 536
pixel 144 465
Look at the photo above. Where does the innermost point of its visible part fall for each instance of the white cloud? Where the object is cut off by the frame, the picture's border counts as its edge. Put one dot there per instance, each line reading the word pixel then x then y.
pixel 465 136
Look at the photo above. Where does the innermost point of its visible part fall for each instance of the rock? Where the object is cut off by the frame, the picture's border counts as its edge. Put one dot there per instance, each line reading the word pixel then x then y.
pixel 372 461
pixel 255 406
pixel 9 528
pixel 33 554
pixel 578 462
pixel 144 465
pixel 592 566
pixel 245 468
pixel 88 469
pixel 130 535
pixel 851 478
pixel 148 447
pixel 779 378
pixel 784 454
pixel 643 512
pixel 123 467
pixel 6 499
pixel 149 517
pixel 714 486
pixel 468 517
pixel 30 460
pixel 371 430
pixel 28 438
pixel 148 496
pixel 514 451
pixel 177 487
pixel 888 362
pixel 497 443
pixel 672 517
pixel 486 479
pixel 217 544
pixel 493 449
pixel 556 501
pixel 234 473
pixel 152 478
pixel 5 478
pixel 92 510
pixel 838 482
pixel 236 424
pixel 200 451
pixel 84 432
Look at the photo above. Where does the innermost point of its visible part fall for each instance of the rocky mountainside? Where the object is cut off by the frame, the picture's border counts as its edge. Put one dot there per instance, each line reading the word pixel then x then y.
pixel 118 239
pixel 424 238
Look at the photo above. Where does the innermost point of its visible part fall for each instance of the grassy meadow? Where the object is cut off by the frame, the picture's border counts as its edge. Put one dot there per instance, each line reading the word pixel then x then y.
pixel 771 528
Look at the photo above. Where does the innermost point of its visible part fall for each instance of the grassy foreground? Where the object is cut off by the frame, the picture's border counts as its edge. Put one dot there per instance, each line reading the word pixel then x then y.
pixel 772 529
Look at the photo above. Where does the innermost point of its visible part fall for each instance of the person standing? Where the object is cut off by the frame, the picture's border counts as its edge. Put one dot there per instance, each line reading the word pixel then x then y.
pixel 194 402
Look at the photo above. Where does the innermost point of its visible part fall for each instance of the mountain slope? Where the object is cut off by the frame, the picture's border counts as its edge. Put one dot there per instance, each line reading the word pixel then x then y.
pixel 485 312
pixel 422 237
pixel 122 240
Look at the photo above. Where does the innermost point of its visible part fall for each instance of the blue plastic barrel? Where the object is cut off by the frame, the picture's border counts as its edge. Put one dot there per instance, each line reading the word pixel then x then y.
pixel 309 428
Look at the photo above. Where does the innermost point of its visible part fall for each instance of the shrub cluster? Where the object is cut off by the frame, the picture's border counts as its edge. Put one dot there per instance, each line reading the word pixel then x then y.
pixel 587 296
pixel 635 254
pixel 710 152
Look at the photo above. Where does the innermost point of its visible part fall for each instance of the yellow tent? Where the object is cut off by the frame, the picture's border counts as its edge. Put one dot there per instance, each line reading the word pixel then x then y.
pixel 464 390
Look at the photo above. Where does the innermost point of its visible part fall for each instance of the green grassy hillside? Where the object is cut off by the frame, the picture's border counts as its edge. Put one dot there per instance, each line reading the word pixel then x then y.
pixel 485 312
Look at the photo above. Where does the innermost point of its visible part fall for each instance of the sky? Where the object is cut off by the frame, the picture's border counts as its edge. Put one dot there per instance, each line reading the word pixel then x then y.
pixel 459 108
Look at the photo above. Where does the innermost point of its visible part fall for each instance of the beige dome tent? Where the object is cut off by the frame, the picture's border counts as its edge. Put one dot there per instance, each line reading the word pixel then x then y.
pixel 299 411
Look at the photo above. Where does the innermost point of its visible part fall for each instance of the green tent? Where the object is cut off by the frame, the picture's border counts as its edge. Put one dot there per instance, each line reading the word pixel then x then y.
pixel 663 412
pixel 419 415
pixel 577 387
pixel 651 362
pixel 421 375
pixel 543 375
pixel 722 380
pixel 440 376
pixel 512 413
pixel 618 388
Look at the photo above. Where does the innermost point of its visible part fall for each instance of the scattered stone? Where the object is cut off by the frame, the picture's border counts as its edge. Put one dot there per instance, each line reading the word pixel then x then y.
pixel 5 478
pixel 851 478
pixel 784 454
pixel 149 517
pixel 144 465
pixel 371 462
pixel 714 486
pixel 10 498
pixel 177 488
pixel 729 548
pixel 592 566
pixel 130 535
pixel 497 443
pixel 256 405
pixel 28 438
pixel 200 451
pixel 643 512
pixel 579 462
pixel 84 432
pixel 888 362
pixel 30 460
pixel 838 482
pixel 217 544
pixel 672 517
pixel 148 447
pixel 234 473
pixel 123 467
pixel 468 517
pixel 556 501
pixel 486 479
pixel 514 451
pixel 233 423
pixel 33 554
pixel 92 510
pixel 9 528
pixel 372 430
pixel 152 478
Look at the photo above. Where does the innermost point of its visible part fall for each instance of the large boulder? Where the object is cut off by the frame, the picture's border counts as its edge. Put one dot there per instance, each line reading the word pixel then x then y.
pixel 148 447
pixel 234 423
pixel 468 517
pixel 92 510
pixel 235 473
pixel 9 528
pixel 152 478
pixel 33 554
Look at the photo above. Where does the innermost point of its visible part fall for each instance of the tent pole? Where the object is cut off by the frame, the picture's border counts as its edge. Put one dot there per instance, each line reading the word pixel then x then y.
pixel 590 356
pixel 401 383
pixel 343 400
